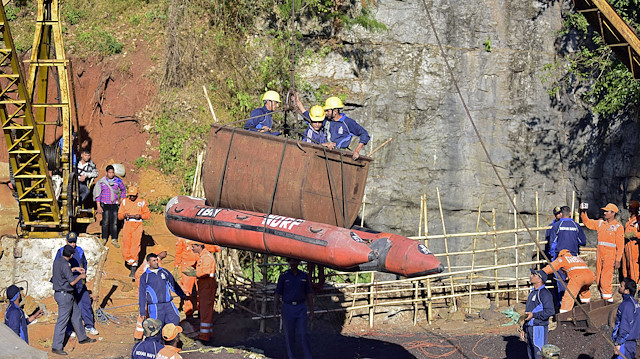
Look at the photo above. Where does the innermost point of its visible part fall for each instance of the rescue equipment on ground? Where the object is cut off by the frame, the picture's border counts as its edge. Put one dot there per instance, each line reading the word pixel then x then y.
pixel 331 246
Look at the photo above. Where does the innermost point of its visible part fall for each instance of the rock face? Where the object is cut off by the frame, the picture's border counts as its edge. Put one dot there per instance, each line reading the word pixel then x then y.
pixel 398 86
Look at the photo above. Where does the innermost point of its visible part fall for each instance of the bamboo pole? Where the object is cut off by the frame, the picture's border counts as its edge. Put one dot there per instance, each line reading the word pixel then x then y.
pixel 415 304
pixel 485 233
pixel 430 302
pixel 495 253
pixel 355 290
pixel 488 249
pixel 421 214
pixel 364 203
pixel 265 279
pixel 372 309
pixel 515 243
pixel 426 221
pixel 446 244
pixel 213 114
pixel 473 255
pixel 537 225
pixel 379 147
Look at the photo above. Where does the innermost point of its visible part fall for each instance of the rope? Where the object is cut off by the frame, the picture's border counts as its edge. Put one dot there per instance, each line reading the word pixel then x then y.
pixel 331 187
pixel 273 196
pixel 344 194
pixel 495 170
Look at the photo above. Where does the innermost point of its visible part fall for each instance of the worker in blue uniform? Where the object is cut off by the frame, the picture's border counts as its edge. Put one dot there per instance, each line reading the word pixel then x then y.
pixel 14 316
pixel 316 131
pixel 295 290
pixel 565 234
pixel 260 119
pixel 154 293
pixel 627 327
pixel 341 129
pixel 557 214
pixel 80 291
pixel 538 310
pixel 151 345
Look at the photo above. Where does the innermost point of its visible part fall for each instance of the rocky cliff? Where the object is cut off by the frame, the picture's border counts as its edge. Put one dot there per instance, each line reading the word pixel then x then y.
pixel 399 87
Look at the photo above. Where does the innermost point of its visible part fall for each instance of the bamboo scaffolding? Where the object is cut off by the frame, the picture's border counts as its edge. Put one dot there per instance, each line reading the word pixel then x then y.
pixel 495 253
pixel 515 243
pixel 473 255
pixel 446 243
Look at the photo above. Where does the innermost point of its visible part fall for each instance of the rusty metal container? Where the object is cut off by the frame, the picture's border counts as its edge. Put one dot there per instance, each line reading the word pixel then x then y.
pixel 250 170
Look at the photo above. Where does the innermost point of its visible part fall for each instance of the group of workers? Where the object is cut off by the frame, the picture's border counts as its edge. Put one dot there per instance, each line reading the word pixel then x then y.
pixel 617 248
pixel 326 125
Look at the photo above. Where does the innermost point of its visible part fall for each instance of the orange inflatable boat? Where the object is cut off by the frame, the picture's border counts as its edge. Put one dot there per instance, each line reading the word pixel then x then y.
pixel 331 246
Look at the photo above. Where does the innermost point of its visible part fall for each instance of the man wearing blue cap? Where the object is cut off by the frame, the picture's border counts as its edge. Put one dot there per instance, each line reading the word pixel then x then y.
pixel 80 291
pixel 538 311
pixel 14 316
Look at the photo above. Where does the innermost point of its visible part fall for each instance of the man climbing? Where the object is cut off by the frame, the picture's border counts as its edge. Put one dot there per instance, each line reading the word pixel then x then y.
pixel 341 128
pixel 610 247
pixel 577 274
pixel 133 211
pixel 260 119
pixel 108 192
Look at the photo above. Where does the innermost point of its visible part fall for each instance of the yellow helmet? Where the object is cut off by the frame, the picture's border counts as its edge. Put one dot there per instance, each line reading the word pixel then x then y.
pixel 271 96
pixel 316 113
pixel 333 102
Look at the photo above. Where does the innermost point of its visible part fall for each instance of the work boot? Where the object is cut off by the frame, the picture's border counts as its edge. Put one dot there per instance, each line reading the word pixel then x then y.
pixel 134 268
pixel 58 351
pixel 87 341
pixel 115 243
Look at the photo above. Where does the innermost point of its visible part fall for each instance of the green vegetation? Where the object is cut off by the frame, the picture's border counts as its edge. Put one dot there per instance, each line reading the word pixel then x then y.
pixel 158 205
pixel 610 86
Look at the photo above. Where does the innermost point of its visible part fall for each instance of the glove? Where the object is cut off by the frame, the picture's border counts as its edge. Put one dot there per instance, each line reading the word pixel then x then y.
pixel 176 271
pixel 190 272
pixel 629 235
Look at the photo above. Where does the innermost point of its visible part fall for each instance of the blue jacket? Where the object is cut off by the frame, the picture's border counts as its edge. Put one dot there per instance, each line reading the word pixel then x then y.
pixel 540 303
pixel 566 234
pixel 293 288
pixel 156 288
pixel 343 130
pixel 257 123
pixel 15 319
pixel 627 320
pixel 77 260
pixel 147 348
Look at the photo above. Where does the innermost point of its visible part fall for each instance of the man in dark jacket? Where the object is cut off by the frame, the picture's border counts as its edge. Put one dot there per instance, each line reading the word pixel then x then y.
pixel 14 316
pixel 627 328
pixel 151 345
pixel 538 311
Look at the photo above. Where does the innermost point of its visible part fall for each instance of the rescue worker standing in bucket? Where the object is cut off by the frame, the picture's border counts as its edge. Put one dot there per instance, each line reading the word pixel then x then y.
pixel 627 328
pixel 578 275
pixel 630 259
pixel 610 247
pixel 538 310
pixel 260 119
pixel 295 290
pixel 133 211
pixel 341 129
pixel 207 285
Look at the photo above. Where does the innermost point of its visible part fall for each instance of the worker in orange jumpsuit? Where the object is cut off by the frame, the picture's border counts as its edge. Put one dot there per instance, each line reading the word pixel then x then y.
pixel 630 259
pixel 610 247
pixel 161 251
pixel 207 286
pixel 185 259
pixel 579 278
pixel 133 211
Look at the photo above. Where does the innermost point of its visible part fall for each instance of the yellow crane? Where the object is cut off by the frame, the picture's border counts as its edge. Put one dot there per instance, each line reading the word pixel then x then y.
pixel 45 177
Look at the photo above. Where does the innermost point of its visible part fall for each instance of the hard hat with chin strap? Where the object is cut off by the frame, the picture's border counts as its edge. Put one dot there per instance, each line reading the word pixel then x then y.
pixel 271 96
pixel 333 102
pixel 316 113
